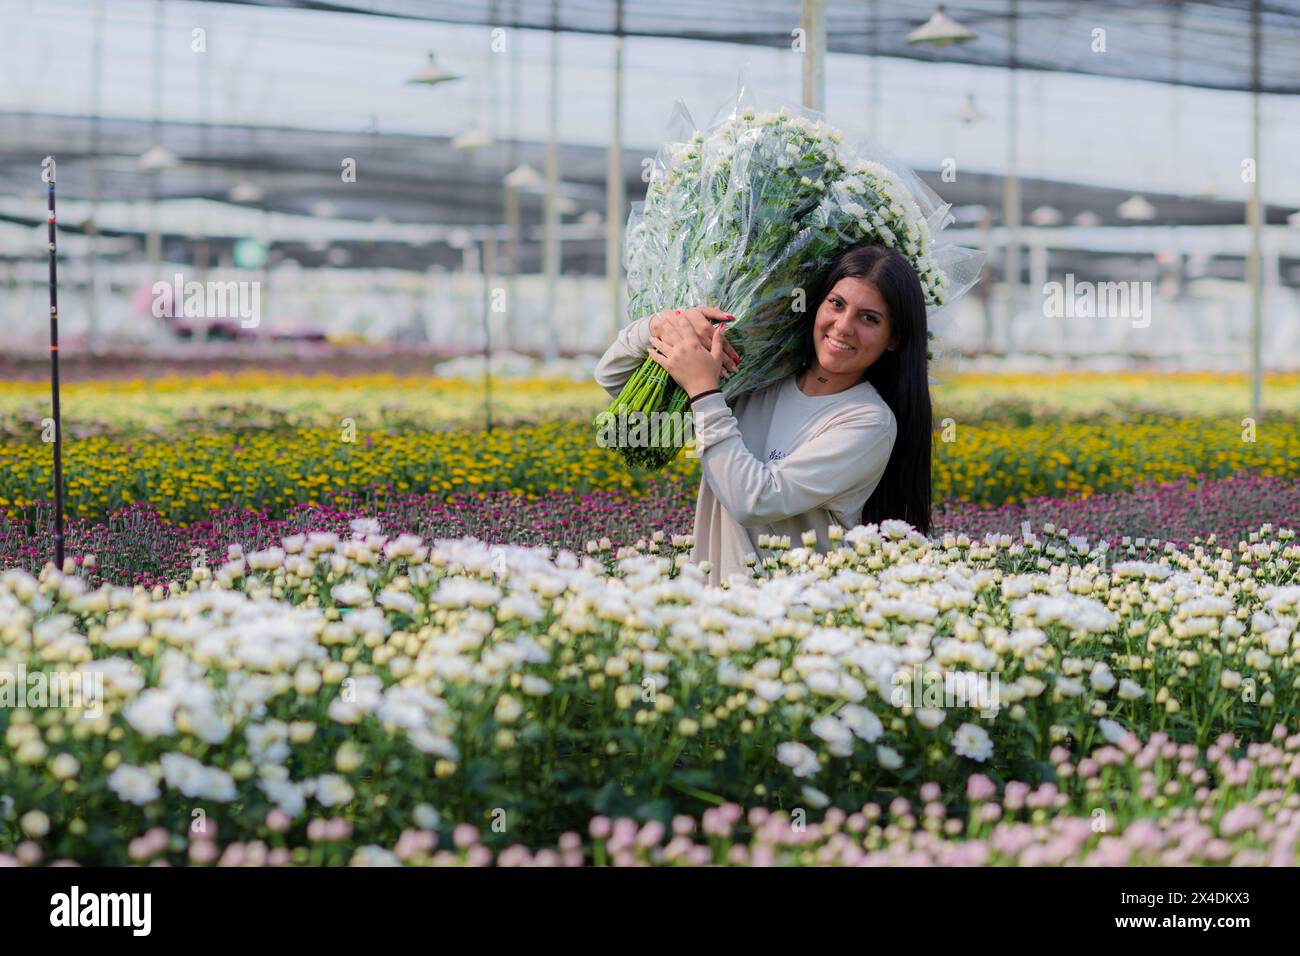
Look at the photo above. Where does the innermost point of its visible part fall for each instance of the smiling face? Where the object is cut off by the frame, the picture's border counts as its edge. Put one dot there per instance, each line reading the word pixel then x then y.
pixel 852 328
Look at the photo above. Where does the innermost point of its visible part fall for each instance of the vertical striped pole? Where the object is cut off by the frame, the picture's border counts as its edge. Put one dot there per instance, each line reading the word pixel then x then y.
pixel 49 175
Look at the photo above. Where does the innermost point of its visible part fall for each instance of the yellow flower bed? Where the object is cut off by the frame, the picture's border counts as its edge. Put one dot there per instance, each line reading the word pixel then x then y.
pixel 994 464
pixel 374 400
pixel 323 400
pixel 990 463
pixel 1083 393
pixel 311 466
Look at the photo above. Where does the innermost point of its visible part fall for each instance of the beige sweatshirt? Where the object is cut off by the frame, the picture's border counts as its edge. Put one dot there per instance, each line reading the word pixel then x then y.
pixel 779 463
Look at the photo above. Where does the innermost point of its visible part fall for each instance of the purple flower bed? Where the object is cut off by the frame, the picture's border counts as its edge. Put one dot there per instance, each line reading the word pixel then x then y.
pixel 1230 508
pixel 137 546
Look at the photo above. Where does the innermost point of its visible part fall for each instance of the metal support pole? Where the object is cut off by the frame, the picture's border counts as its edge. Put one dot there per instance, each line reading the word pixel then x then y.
pixel 812 19
pixel 489 268
pixel 512 333
pixel 97 70
pixel 551 229
pixel 1011 188
pixel 49 175
pixel 1254 218
pixel 1038 260
pixel 614 187
pixel 873 81
pixel 153 244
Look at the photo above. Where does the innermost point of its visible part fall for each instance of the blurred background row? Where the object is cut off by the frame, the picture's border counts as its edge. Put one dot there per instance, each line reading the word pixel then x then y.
pixel 429 178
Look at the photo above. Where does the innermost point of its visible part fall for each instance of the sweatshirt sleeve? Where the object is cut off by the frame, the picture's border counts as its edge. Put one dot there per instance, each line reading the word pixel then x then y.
pixel 851 452
pixel 624 356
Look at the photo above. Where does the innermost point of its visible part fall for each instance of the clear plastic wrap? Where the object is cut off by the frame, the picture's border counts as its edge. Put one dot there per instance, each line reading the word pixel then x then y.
pixel 746 215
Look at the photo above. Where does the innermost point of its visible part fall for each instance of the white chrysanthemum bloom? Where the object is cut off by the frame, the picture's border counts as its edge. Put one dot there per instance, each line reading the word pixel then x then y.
pixel 127 634
pixel 285 794
pixel 1282 599
pixel 826 683
pixel 889 758
pixel 973 741
pixel 373 855
pixel 814 797
pixel 1068 687
pixel 1141 569
pixel 365 526
pixel 906 610
pixel 1031 685
pixel 267 560
pixel 410 707
pixel 1130 689
pixel 195 780
pixel 333 790
pixel 507 709
pixel 426 817
pixel 319 542
pixel 534 686
pixel 1101 678
pixel 1072 610
pixel 1196 627
pixel 1111 730
pixel 799 758
pixel 894 529
pixel 399 601
pixel 208 725
pixel 153 713
pixel 862 722
pixel 121 676
pixel 836 734
pixel 456 592
pixel 268 742
pixel 430 742
pixel 359 697
pixel 403 546
pixel 350 593
pixel 133 784
pixel 930 717
pixel 1207 606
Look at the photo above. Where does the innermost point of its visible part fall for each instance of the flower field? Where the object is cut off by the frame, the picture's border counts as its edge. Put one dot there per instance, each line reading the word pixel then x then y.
pixel 366 699
pixel 413 641
pixel 253 400
pixel 137 545
pixel 186 473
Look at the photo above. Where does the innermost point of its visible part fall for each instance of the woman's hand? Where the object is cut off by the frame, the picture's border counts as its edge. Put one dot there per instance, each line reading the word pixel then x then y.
pixel 677 348
pixel 698 319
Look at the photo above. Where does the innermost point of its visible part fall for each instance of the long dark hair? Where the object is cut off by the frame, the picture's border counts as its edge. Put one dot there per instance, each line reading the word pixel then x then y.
pixel 900 376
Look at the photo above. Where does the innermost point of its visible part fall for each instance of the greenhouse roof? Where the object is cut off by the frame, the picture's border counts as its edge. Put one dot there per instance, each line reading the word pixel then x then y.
pixel 1205 43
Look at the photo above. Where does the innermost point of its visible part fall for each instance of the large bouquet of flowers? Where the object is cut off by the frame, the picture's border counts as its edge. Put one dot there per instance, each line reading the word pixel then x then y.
pixel 745 216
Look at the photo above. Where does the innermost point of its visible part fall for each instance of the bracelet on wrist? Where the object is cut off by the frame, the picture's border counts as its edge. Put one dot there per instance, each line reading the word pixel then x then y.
pixel 710 391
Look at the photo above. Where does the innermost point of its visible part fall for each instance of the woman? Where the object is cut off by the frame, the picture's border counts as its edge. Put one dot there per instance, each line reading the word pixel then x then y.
pixel 846 440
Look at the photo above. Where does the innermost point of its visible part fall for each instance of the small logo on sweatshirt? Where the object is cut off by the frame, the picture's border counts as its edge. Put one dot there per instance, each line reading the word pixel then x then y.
pixel 775 455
